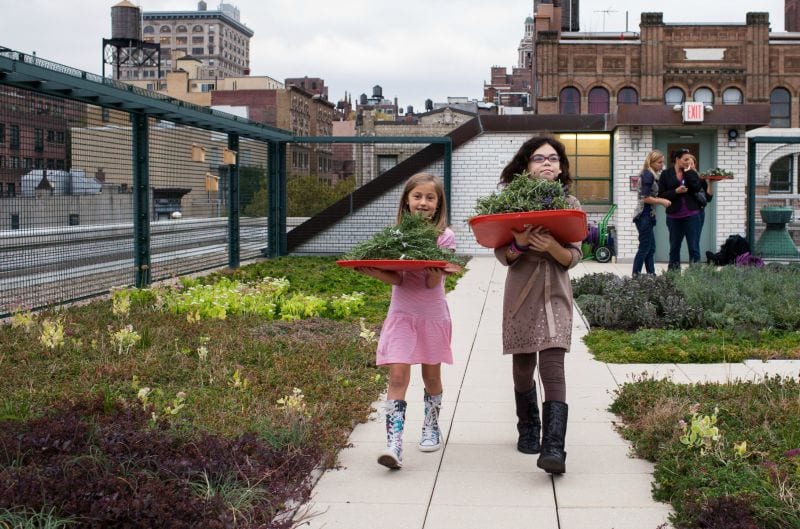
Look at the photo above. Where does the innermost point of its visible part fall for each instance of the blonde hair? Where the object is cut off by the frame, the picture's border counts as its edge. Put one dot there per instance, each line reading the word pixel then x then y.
pixel 439 218
pixel 650 160
pixel 694 160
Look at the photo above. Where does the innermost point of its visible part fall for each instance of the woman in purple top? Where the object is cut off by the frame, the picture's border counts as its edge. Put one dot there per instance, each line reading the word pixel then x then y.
pixel 679 184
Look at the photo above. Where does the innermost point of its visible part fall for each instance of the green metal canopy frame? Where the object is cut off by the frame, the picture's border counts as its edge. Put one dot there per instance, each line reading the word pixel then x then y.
pixel 45 77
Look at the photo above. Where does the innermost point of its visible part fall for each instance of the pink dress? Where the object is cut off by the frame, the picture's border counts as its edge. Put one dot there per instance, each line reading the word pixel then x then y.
pixel 417 329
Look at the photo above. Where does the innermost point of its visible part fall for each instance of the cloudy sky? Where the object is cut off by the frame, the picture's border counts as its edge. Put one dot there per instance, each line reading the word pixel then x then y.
pixel 414 49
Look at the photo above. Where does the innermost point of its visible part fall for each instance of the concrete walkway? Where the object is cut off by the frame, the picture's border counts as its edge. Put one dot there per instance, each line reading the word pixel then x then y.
pixel 478 479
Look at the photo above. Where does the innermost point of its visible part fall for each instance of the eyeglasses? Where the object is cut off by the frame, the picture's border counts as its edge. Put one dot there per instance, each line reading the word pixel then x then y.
pixel 540 158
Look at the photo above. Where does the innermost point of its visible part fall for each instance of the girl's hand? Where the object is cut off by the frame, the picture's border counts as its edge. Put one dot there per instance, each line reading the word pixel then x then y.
pixel 386 276
pixel 433 276
pixel 452 268
pixel 541 240
pixel 367 271
pixel 522 237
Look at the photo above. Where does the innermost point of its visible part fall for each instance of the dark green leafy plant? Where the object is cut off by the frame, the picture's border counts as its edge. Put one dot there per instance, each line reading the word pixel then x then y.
pixel 414 238
pixel 524 193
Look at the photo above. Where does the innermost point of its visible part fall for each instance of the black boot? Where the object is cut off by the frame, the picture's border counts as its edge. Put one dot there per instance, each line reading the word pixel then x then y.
pixel 553 457
pixel 528 425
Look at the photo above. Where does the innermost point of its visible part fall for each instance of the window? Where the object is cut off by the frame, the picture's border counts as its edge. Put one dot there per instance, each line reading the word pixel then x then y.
pixel 197 29
pixel 51 136
pixel 165 41
pixel 165 29
pixel 14 216
pixel 38 139
pixel 197 51
pixel 386 162
pixel 182 41
pixel 149 29
pixel 674 96
pixel 590 166
pixel 13 140
pixel 60 136
pixel 598 100
pixel 12 192
pixel 198 39
pixel 74 219
pixel 780 107
pixel 704 95
pixel 569 101
pixel 180 29
pixel 780 175
pixel 732 96
pixel 628 96
pixel 2 133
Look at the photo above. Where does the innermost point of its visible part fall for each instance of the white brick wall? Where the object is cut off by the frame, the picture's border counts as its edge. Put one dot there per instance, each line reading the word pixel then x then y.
pixel 476 169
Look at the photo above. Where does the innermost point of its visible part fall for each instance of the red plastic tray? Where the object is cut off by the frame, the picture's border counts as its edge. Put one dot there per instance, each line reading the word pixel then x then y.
pixel 392 264
pixel 715 178
pixel 493 231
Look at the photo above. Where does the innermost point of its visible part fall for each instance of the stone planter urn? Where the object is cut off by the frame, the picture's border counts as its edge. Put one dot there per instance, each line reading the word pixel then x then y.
pixel 775 242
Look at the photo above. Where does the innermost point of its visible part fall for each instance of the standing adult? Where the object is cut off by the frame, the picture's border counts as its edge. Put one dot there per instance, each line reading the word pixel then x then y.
pixel 708 189
pixel 680 185
pixel 645 215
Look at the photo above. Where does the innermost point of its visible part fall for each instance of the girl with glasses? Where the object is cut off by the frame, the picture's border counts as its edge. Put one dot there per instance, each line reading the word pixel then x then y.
pixel 537 310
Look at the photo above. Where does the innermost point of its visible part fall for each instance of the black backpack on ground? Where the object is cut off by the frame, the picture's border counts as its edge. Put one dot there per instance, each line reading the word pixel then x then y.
pixel 734 246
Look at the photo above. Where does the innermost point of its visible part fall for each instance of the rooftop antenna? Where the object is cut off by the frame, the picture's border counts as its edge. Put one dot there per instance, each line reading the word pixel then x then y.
pixel 605 12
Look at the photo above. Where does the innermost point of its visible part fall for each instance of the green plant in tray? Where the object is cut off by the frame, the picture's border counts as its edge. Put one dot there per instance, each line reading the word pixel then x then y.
pixel 414 238
pixel 717 173
pixel 524 194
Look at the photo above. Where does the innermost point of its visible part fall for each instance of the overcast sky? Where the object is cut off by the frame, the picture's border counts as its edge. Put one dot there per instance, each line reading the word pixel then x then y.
pixel 414 49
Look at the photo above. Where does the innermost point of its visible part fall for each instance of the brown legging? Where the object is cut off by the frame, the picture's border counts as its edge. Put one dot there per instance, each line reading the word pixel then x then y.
pixel 551 371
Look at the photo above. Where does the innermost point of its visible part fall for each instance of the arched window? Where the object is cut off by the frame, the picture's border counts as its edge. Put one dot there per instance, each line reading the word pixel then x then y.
pixel 704 95
pixel 732 96
pixel 165 29
pixel 197 29
pixel 180 29
pixel 780 108
pixel 780 175
pixel 149 29
pixel 598 100
pixel 628 96
pixel 569 102
pixel 674 96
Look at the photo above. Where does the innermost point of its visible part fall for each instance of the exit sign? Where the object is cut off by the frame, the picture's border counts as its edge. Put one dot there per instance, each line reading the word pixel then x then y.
pixel 693 112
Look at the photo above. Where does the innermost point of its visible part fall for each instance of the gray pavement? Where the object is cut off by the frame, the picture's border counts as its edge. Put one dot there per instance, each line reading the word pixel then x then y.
pixel 478 479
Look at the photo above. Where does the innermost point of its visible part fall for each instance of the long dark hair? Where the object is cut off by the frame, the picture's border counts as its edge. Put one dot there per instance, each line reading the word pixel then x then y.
pixel 519 163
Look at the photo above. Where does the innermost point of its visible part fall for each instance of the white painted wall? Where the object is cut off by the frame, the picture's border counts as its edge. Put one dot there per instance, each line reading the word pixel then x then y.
pixel 476 170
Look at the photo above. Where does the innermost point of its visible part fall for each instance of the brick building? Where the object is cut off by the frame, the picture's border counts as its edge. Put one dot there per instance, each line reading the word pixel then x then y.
pixel 34 134
pixel 217 39
pixel 740 75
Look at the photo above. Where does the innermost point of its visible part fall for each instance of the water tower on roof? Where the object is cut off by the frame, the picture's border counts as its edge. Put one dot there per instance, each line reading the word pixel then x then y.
pixel 126 47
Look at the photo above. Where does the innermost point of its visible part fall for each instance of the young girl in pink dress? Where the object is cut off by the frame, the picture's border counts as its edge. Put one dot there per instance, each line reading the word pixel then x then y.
pixel 417 329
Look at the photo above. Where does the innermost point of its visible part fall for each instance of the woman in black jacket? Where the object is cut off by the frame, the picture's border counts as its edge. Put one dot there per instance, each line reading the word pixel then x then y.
pixel 679 184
